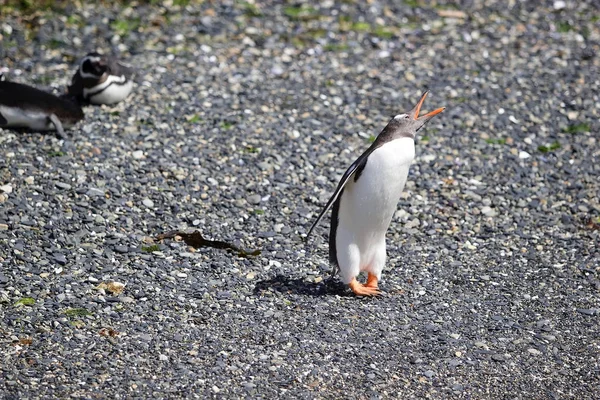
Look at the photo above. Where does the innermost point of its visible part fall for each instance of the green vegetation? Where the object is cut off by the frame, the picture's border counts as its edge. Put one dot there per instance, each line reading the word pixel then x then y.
pixel 564 27
pixel 258 211
pixel 361 27
pixel 151 248
pixel 56 153
pixel 124 26
pixel 194 119
pixel 578 128
pixel 250 10
pixel 25 301
pixel 495 141
pixel 226 124
pixel 382 32
pixel 77 312
pixel 251 149
pixel 301 13
pixel 336 47
pixel 550 148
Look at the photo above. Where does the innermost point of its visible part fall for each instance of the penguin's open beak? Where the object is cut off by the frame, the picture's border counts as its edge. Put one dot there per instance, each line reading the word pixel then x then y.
pixel 414 113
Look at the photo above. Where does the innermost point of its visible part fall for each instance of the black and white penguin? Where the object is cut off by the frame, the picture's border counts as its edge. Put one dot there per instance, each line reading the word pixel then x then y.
pixel 101 80
pixel 366 198
pixel 23 106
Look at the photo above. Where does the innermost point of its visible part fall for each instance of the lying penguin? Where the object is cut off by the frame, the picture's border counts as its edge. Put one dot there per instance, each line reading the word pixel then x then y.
pixel 101 80
pixel 366 198
pixel 23 106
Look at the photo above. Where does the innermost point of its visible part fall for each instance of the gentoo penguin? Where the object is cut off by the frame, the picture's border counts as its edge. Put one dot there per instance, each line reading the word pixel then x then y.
pixel 101 80
pixel 366 198
pixel 23 106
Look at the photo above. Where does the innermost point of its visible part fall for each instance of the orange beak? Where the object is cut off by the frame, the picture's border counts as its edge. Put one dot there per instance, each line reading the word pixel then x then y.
pixel 415 111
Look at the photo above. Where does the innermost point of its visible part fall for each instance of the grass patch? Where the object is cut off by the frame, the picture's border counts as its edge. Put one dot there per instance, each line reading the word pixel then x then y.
pixel 425 138
pixel 55 44
pixel 150 249
pixel 251 10
pixel 124 26
pixel 251 149
pixel 495 141
pixel 336 47
pixel 564 27
pixel 371 138
pixel 77 312
pixel 301 13
pixel 259 211
pixel 56 153
pixel 382 32
pixel 316 33
pixel 194 119
pixel 181 3
pixel 412 3
pixel 361 27
pixel 25 301
pixel 550 148
pixel 226 124
pixel 578 128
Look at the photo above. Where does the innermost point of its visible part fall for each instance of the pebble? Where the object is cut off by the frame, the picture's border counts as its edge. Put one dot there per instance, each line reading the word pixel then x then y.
pixel 254 199
pixel 66 186
pixel 94 192
pixel 148 203
pixel 60 258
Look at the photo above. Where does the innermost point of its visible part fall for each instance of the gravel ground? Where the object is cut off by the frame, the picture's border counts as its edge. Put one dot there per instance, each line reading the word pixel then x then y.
pixel 243 118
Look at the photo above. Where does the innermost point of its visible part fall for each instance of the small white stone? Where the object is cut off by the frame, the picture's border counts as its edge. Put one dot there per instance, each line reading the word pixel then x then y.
pixel 338 101
pixel 559 4
pixel 523 155
pixel 488 211
pixel 6 188
pixel 138 154
pixel 501 111
pixel 162 357
pixel 148 203
pixel 513 119
pixel 29 180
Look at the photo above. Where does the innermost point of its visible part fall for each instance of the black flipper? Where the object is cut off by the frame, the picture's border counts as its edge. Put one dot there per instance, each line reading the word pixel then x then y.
pixel 60 132
pixel 358 164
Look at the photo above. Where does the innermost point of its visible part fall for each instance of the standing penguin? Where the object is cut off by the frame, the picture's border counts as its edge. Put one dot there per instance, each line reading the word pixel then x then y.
pixel 366 198
pixel 101 80
pixel 23 106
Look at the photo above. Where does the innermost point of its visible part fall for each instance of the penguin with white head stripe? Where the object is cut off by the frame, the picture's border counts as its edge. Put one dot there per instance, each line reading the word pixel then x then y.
pixel 101 80
pixel 366 198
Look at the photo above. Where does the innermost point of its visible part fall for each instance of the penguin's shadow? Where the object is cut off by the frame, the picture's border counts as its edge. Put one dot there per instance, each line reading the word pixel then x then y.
pixel 285 284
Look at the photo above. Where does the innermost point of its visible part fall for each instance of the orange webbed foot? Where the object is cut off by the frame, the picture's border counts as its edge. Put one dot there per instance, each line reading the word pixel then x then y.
pixel 363 290
pixel 371 281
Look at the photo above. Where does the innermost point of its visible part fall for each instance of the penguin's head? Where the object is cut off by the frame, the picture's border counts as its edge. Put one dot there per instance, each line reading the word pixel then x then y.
pixel 411 122
pixel 93 66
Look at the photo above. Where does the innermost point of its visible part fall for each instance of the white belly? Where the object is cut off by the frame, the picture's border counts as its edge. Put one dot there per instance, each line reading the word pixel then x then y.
pixel 110 92
pixel 368 205
pixel 32 119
